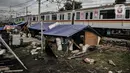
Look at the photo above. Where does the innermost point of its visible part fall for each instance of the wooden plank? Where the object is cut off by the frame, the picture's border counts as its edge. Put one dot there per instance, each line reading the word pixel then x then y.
pixel 3 68
pixel 91 38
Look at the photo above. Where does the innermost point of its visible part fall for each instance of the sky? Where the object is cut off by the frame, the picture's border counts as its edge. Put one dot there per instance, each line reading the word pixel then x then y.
pixel 18 7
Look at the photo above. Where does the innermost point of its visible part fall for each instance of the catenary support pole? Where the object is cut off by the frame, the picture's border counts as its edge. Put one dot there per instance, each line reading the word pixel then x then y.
pixel 73 12
pixel 41 22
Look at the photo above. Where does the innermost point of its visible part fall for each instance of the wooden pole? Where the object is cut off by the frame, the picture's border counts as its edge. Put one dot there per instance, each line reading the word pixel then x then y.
pixel 73 12
pixel 5 44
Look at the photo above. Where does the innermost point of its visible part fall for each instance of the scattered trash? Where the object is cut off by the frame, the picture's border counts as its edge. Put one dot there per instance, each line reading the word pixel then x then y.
pixel 106 68
pixel 75 51
pixel 76 55
pixel 90 61
pixel 2 51
pixel 110 72
pixel 34 51
pixel 92 71
pixel 92 48
pixel 111 62
pixel 59 45
pixel 119 71
pixel 3 68
pixel 33 44
pixel 38 48
pixel 85 48
pixel 127 69
pixel 13 71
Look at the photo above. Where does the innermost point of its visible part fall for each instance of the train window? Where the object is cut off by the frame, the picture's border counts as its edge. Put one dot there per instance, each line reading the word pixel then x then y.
pixel 37 18
pixel 108 14
pixel 61 16
pixel 78 15
pixel 69 16
pixel 22 19
pixel 42 17
pixel 127 14
pixel 91 15
pixel 30 19
pixel 34 18
pixel 18 19
pixel 47 17
pixel 54 17
pixel 86 16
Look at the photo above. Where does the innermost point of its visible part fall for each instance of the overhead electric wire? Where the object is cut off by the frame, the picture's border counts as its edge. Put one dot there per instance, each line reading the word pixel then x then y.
pixel 96 4
pixel 21 4
pixel 27 6
pixel 30 5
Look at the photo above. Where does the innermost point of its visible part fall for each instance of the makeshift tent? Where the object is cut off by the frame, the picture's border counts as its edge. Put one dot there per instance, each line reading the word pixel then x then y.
pixel 21 24
pixel 64 30
pixel 74 32
pixel 37 26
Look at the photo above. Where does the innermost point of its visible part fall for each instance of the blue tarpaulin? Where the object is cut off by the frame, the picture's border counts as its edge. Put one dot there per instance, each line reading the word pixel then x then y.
pixel 37 26
pixel 64 30
pixel 21 23
pixel 13 25
pixel 1 28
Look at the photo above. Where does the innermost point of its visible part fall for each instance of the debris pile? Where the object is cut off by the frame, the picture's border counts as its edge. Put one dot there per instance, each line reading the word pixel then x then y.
pixel 90 61
pixel 114 41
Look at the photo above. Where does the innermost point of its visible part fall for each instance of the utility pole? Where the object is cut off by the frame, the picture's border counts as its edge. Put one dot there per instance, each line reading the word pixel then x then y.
pixel 10 17
pixel 73 12
pixel 39 10
pixel 26 11
pixel 26 14
pixel 39 20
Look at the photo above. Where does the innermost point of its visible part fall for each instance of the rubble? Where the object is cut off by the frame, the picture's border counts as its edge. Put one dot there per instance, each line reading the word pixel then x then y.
pixel 115 41
pixel 85 48
pixel 90 61
pixel 111 62
pixel 89 55
pixel 75 51
pixel 3 68
pixel 110 72
pixel 2 51
pixel 119 71
pixel 76 56
pixel 13 71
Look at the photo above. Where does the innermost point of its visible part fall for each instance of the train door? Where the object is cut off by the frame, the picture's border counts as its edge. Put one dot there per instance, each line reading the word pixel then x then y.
pixel 91 15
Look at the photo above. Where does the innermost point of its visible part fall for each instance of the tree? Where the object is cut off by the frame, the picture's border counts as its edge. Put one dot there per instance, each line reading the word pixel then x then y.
pixel 62 9
pixel 69 5
pixel 120 1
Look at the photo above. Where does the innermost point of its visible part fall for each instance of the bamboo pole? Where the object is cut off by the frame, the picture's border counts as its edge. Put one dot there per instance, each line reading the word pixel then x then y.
pixel 5 44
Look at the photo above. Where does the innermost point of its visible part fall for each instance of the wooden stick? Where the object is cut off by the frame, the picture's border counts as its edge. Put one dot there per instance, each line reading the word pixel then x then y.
pixel 76 45
pixel 5 44
pixel 9 71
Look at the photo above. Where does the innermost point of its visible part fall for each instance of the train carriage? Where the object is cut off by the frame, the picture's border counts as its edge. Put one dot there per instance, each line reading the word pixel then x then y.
pixel 102 18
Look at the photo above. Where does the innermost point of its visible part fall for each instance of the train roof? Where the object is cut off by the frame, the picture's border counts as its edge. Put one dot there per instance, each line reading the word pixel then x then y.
pixel 96 7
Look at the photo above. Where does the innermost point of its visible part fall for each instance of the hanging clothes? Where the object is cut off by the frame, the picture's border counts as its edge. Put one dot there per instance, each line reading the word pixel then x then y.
pixel 59 44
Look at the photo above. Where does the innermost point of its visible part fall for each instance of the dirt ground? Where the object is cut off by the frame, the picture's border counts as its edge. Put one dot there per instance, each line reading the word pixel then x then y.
pixel 118 54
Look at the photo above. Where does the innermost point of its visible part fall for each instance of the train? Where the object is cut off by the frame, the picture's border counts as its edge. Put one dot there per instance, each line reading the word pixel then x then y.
pixel 102 18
